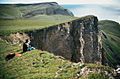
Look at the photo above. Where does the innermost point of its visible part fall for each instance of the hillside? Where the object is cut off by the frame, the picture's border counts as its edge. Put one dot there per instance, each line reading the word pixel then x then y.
pixel 67 47
pixel 25 17
pixel 36 22
pixel 44 65
pixel 111 41
pixel 33 64
pixel 16 11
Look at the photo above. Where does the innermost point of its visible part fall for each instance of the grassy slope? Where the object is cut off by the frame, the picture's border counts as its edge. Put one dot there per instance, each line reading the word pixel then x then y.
pixel 39 64
pixel 33 64
pixel 9 12
pixel 36 64
pixel 111 44
pixel 37 22
pixel 15 11
pixel 18 22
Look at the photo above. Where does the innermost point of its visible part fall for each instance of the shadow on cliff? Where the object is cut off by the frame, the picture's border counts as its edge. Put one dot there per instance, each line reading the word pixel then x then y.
pixel 76 40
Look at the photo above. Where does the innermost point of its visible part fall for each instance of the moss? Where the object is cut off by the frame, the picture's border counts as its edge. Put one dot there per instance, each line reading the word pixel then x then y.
pixel 110 45
pixel 33 64
pixel 23 25
pixel 97 76
pixel 37 64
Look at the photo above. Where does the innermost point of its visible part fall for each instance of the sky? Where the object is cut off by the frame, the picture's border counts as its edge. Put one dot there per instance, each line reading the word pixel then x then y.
pixel 65 1
pixel 103 9
pixel 103 12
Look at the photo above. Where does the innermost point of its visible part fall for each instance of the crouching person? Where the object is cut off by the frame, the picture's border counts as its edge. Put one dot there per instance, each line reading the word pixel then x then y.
pixel 27 46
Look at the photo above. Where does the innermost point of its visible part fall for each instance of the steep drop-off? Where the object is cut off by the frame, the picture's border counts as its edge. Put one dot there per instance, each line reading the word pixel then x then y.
pixel 111 42
pixel 76 40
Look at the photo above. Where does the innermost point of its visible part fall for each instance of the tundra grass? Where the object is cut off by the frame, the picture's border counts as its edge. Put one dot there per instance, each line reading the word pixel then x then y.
pixel 37 64
pixel 22 25
pixel 34 64
pixel 111 43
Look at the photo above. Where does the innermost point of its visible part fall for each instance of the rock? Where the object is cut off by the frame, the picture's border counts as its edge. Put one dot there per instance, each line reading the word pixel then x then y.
pixel 86 71
pixel 31 10
pixel 17 38
pixel 50 8
pixel 76 40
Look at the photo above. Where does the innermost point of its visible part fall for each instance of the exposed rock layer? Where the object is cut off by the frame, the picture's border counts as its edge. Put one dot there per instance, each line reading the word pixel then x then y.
pixel 76 40
pixel 16 11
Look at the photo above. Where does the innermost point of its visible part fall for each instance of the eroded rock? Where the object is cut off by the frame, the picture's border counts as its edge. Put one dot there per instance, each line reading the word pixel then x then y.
pixel 76 40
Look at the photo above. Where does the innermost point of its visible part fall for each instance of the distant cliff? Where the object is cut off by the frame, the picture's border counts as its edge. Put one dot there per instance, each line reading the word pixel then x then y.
pixel 16 11
pixel 111 42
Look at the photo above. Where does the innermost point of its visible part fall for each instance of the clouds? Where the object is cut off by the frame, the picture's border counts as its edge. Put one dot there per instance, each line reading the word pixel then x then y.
pixel 86 1
pixel 64 1
pixel 101 11
pixel 104 9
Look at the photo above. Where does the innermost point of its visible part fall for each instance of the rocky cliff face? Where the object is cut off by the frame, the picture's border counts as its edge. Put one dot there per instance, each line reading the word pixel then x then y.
pixel 48 8
pixel 16 11
pixel 76 40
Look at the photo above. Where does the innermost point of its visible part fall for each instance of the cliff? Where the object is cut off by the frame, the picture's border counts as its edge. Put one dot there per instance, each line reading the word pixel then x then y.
pixel 17 11
pixel 48 8
pixel 68 38
pixel 76 40
pixel 110 31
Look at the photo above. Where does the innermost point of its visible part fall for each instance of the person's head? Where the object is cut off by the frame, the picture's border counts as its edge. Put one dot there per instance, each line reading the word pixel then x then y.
pixel 27 41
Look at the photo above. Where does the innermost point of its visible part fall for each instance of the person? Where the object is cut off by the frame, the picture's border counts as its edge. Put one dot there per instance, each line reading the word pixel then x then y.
pixel 27 46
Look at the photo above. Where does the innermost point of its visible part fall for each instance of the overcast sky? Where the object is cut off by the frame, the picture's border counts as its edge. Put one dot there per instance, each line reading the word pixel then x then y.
pixel 103 9
pixel 103 12
pixel 115 2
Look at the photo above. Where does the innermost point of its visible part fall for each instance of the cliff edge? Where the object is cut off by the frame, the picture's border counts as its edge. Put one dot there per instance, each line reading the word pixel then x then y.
pixel 77 40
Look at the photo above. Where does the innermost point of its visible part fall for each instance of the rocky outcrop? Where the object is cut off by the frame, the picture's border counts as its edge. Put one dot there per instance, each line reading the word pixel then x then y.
pixel 110 42
pixel 15 11
pixel 48 8
pixel 16 38
pixel 76 40
pixel 96 71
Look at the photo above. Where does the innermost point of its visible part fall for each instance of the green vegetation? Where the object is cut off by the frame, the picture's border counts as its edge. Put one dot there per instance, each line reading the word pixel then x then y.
pixel 33 64
pixel 96 76
pixel 39 64
pixel 111 41
pixel 37 22
pixel 25 17
pixel 17 11
pixel 9 11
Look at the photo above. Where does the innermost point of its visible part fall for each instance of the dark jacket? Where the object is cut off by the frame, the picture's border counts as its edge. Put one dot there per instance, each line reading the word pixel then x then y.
pixel 25 47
